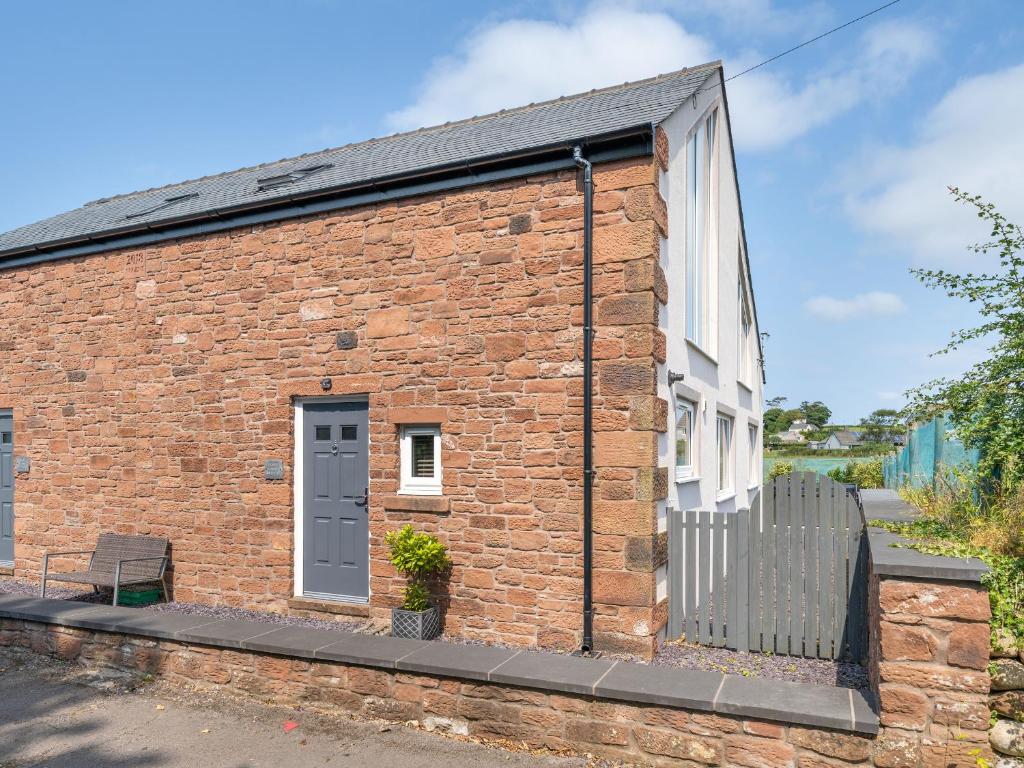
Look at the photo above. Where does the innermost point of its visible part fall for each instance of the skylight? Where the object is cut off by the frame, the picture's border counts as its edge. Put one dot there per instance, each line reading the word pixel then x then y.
pixel 281 180
pixel 167 203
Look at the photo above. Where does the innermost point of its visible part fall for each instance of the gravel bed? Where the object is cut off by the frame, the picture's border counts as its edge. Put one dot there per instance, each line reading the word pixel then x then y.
pixel 215 612
pixel 763 665
pixel 677 654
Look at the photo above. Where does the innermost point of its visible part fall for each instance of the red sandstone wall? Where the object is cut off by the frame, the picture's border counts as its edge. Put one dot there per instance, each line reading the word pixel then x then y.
pixel 149 387
pixel 929 660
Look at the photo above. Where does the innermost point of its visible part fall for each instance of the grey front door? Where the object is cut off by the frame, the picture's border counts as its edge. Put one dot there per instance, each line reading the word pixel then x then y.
pixel 335 518
pixel 6 489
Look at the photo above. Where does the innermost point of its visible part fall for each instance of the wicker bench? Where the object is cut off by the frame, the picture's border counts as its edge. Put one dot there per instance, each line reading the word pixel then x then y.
pixel 117 561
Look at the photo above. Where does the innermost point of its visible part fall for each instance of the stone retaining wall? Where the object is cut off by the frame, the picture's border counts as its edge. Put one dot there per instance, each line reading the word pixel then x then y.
pixel 645 734
pixel 928 664
pixel 929 649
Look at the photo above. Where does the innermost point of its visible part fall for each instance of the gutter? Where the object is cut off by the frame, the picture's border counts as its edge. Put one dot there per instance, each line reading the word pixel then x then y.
pixel 633 142
pixel 587 646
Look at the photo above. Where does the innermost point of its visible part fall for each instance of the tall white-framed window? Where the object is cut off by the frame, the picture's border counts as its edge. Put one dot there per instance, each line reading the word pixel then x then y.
pixel 420 460
pixel 745 353
pixel 723 430
pixel 754 472
pixel 685 439
pixel 701 230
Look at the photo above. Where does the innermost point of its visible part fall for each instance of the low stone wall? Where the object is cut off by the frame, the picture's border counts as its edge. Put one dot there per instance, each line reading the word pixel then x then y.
pixel 929 651
pixel 645 734
pixel 928 664
pixel 929 656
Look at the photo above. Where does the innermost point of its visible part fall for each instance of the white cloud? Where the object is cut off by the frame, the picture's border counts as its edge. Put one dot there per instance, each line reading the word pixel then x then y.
pixel 970 139
pixel 519 61
pixel 769 110
pixel 863 305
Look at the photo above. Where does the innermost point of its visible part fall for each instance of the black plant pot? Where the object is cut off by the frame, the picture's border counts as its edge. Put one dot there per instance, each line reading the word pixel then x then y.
pixel 415 625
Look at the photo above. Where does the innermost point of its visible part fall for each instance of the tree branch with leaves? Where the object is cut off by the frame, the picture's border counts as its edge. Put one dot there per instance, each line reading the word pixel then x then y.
pixel 986 403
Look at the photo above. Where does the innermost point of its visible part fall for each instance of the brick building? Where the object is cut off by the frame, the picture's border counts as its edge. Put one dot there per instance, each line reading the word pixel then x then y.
pixel 274 366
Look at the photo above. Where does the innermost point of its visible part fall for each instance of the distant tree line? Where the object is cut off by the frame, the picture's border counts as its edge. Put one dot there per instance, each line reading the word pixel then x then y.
pixel 880 426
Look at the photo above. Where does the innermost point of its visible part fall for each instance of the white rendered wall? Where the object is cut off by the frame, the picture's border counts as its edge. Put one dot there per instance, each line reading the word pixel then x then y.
pixel 710 379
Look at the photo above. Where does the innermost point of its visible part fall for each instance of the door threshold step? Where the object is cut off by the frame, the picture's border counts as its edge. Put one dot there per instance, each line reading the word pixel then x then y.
pixel 361 610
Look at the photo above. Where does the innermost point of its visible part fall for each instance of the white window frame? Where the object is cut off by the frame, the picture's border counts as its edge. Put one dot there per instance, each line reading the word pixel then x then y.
pixel 753 435
pixel 725 476
pixel 701 246
pixel 419 486
pixel 687 472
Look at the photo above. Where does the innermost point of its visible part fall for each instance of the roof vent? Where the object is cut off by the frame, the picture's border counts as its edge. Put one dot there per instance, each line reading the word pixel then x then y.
pixel 273 182
pixel 167 203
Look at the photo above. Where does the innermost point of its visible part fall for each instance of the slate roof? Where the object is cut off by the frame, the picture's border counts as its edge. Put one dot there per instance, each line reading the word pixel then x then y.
pixel 565 120
pixel 848 437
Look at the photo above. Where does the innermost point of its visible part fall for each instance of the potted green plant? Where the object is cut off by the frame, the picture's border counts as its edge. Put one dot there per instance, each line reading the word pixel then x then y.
pixel 420 557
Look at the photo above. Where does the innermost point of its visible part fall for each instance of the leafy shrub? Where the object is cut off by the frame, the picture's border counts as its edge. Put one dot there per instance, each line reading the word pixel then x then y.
pixel 779 468
pixel 866 474
pixel 419 557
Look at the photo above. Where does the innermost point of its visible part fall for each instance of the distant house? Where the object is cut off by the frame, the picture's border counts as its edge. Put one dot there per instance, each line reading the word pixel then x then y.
pixel 795 434
pixel 840 440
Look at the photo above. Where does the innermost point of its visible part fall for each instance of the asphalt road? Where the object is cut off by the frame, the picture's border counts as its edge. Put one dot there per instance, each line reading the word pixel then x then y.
pixel 48 717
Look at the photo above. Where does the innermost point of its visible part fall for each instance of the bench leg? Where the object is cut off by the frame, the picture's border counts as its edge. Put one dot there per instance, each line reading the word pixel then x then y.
pixel 117 582
pixel 163 586
pixel 42 586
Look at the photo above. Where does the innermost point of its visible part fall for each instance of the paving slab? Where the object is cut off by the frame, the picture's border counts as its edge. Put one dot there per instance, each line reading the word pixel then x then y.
pixel 693 689
pixel 44 609
pixel 886 504
pixel 865 711
pixel 294 641
pixel 552 671
pixel 890 560
pixel 799 703
pixel 369 650
pixel 161 625
pixel 224 633
pixel 472 662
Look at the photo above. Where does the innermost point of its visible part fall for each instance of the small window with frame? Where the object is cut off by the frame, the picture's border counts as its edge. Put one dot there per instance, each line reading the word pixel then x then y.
pixel 685 452
pixel 725 467
pixel 420 459
pixel 753 432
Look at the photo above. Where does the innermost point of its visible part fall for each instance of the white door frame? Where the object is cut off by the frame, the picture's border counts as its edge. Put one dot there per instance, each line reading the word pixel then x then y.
pixel 297 474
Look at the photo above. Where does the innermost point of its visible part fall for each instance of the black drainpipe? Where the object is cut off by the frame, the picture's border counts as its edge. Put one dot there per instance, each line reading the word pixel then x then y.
pixel 588 397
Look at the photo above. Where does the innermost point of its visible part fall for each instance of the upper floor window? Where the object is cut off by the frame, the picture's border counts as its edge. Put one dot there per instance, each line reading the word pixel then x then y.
pixel 701 230
pixel 745 353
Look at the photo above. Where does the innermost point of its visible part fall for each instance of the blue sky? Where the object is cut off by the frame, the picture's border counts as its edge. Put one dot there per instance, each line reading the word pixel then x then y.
pixel 844 148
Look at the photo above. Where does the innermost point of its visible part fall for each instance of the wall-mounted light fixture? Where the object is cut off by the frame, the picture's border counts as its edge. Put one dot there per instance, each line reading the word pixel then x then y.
pixel 674 377
pixel 325 385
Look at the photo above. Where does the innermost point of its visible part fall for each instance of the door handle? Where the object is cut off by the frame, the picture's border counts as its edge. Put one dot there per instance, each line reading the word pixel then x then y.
pixel 334 449
pixel 366 498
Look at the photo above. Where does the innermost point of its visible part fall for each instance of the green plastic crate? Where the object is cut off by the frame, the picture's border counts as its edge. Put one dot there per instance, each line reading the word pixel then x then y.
pixel 139 597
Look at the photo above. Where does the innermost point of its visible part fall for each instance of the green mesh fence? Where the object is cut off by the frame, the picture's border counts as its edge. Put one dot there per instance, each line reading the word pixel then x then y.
pixel 931 449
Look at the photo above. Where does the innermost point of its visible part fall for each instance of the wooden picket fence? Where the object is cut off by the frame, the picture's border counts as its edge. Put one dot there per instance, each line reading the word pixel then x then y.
pixel 787 576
